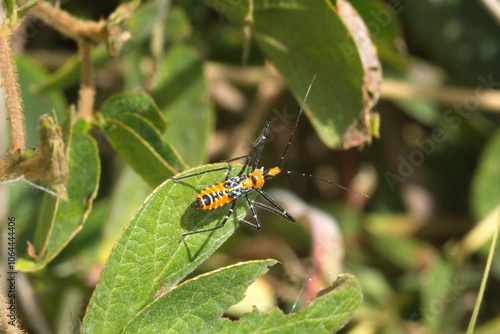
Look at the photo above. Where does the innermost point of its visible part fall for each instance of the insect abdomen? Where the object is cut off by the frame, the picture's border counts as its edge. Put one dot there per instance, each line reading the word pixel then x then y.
pixel 225 192
pixel 213 197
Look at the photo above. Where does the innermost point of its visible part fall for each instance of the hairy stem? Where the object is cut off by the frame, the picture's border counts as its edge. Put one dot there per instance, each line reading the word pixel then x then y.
pixel 12 94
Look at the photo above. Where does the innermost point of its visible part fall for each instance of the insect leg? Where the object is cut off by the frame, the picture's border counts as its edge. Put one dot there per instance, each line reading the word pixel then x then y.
pixel 246 157
pixel 272 210
pixel 261 141
pixel 277 206
pixel 255 225
pixel 229 213
pixel 245 165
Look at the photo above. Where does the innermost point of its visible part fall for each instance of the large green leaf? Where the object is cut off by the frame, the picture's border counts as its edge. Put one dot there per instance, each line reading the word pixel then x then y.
pixel 197 305
pixel 181 94
pixel 60 220
pixel 311 38
pixel 149 259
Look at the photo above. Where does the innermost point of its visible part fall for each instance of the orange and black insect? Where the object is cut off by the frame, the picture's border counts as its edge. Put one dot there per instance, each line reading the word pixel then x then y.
pixel 233 188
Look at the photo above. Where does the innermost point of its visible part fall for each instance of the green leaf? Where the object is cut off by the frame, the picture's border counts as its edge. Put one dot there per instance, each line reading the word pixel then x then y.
pixel 59 220
pixel 197 305
pixel 485 186
pixel 323 46
pixel 328 312
pixel 181 94
pixel 149 258
pixel 140 104
pixel 139 154
pixel 132 122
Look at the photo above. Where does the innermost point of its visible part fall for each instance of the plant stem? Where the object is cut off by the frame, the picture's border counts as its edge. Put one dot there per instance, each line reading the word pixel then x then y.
pixel 486 273
pixel 87 91
pixel 25 6
pixel 10 86
pixel 68 25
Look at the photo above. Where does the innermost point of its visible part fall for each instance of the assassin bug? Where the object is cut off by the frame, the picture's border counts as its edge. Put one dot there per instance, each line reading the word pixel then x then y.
pixel 233 188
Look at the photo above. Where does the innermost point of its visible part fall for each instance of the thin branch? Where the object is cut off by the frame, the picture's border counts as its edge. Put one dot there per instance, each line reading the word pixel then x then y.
pixel 12 94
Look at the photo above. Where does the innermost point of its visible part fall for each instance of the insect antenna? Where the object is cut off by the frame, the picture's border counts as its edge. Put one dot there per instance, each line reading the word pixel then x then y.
pixel 324 180
pixel 296 123
pixel 290 141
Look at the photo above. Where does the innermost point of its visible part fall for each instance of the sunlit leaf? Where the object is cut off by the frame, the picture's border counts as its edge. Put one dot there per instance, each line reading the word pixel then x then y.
pixel 197 305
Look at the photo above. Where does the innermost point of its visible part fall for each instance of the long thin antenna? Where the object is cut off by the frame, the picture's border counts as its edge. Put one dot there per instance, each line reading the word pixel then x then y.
pixel 324 180
pixel 296 123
